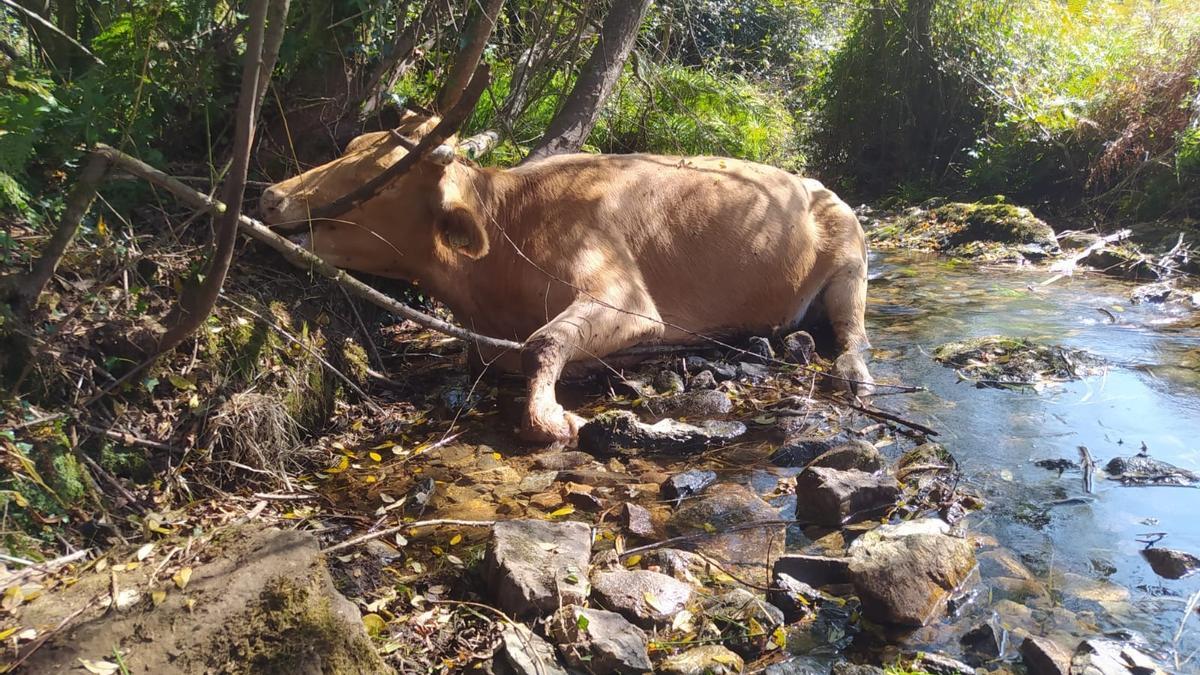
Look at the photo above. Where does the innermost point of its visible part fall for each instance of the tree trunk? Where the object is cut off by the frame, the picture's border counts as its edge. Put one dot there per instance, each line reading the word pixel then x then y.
pixel 468 59
pixel 571 126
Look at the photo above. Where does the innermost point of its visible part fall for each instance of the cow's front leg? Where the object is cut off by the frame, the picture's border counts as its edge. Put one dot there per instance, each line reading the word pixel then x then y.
pixel 845 299
pixel 588 328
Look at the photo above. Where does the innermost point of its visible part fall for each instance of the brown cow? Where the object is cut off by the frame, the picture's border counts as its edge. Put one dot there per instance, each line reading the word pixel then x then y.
pixel 580 256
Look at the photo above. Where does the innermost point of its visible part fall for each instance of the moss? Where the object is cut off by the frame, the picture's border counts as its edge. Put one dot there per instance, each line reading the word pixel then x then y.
pixel 128 463
pixel 356 360
pixel 998 222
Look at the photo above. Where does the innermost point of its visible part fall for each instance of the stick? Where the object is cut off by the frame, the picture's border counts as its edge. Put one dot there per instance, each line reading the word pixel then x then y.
pixel 1067 266
pixel 392 530
pixel 42 22
pixel 890 417
pixel 468 59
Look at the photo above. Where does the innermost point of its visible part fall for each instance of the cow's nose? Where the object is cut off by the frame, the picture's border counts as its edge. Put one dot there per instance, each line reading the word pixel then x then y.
pixel 270 205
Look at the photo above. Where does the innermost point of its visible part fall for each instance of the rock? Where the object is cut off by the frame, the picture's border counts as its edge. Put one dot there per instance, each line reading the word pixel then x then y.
pixel 855 669
pixel 560 461
pixel 721 372
pixel 706 660
pixel 1171 564
pixel 538 481
pixel 1142 470
pixel 935 664
pixel 859 455
pixel 814 570
pixel 1123 261
pixel 597 477
pixel 615 430
pixel 721 507
pixel 801 449
pixel 794 598
pixel 691 404
pixel 668 382
pixel 831 497
pixel 998 361
pixel 801 665
pixel 985 641
pixel 533 564
pixel 637 521
pixel 261 590
pixel 527 653
pixel 1077 240
pixel 702 380
pixel 646 598
pixel 800 347
pixel 761 348
pixel 682 565
pixel 1152 293
pixel 752 372
pixel 1043 656
pixel 905 573
pixel 737 611
pixel 599 642
pixel 1002 223
pixel 687 484
pixel 1109 657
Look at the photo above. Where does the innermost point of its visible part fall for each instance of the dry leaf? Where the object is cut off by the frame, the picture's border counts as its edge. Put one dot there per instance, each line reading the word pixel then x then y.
pixel 342 465
pixel 127 598
pixel 633 560
pixel 100 666
pixel 375 456
pixel 374 624
pixel 101 564
pixel 182 577
pixel 13 597
pixel 455 539
pixel 4 634
pixel 145 551
pixel 158 597
pixel 564 511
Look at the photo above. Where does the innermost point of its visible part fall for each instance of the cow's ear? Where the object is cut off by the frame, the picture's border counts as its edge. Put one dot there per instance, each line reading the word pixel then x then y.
pixel 460 229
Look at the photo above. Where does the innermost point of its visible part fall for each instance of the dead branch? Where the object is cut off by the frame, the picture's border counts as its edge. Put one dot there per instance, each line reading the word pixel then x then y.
pixel 464 67
pixel 276 23
pixel 478 145
pixel 1066 267
pixel 44 24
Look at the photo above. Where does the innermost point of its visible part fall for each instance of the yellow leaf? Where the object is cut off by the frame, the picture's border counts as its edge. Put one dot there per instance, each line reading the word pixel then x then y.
pixel 437 550
pixel 131 566
pixel 756 628
pixel 4 634
pixel 633 560
pixel 455 539
pixel 385 445
pixel 375 456
pixel 654 603
pixel 779 638
pixel 496 455
pixel 158 597
pixel 710 528
pixel 101 227
pixel 564 511
pixel 369 479
pixel 193 401
pixel 374 623
pixel 101 564
pixel 182 577
pixel 13 597
pixel 342 465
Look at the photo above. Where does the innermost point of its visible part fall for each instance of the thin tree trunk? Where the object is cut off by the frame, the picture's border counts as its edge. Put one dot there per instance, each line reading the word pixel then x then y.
pixel 571 126
pixel 392 67
pixel 468 59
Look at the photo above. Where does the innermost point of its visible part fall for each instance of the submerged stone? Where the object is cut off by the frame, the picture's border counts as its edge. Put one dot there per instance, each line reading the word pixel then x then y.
pixel 1171 564
pixel 802 448
pixel 747 620
pixel 687 484
pixel 1043 656
pixel 613 431
pixel 706 660
pixel 691 404
pixel 997 361
pixel 1142 470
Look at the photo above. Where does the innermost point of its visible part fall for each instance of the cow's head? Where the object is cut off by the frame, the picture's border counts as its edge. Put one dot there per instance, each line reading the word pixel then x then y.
pixel 422 217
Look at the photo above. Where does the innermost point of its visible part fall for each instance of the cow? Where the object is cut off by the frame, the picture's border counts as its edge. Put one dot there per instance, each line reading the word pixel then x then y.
pixel 579 256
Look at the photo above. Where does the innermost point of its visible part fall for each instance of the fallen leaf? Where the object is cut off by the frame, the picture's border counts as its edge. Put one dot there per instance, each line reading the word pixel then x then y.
pixel 755 627
pixel 4 634
pixel 374 624
pixel 384 445
pixel 100 666
pixel 779 637
pixel 496 456
pixel 182 577
pixel 455 539
pixel 633 560
pixel 654 603
pixel 13 597
pixel 564 511
pixel 437 550
pixel 101 564
pixel 581 622
pixel 158 597
pixel 375 456
pixel 127 598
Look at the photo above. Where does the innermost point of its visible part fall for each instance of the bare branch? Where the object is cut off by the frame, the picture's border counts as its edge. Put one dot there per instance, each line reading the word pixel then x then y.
pixel 468 59
pixel 44 24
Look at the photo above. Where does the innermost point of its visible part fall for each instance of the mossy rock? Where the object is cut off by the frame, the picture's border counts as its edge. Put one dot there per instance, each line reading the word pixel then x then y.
pixel 992 231
pixel 1001 223
pixel 998 361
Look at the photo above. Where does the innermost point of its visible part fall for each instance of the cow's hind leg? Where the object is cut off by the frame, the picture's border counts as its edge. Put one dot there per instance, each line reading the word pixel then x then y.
pixel 845 300
pixel 587 328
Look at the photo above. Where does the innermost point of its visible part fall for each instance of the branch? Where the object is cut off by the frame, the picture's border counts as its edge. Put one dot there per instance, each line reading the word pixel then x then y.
pixel 478 145
pixel 276 24
pixel 444 130
pixel 468 59
pixel 47 25
pixel 390 69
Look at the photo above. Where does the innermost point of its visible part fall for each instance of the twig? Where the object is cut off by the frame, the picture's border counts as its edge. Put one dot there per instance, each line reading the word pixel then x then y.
pixel 129 497
pixel 43 23
pixel 890 417
pixel 127 438
pixel 1066 267
pixel 406 526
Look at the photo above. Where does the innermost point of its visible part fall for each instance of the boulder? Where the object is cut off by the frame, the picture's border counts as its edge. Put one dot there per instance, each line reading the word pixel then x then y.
pixel 646 598
pixel 904 574
pixel 616 430
pixel 687 484
pixel 1171 564
pixel 799 449
pixel 706 660
pixel 526 653
pixel 1043 656
pixel 858 455
pixel 599 642
pixel 1143 470
pixel 832 497
pixel 1108 657
pixel 637 520
pixel 691 404
pixel 533 566
pixel 1152 293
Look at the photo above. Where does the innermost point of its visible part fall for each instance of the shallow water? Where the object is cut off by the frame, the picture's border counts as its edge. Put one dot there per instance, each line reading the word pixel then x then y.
pixel 1085 552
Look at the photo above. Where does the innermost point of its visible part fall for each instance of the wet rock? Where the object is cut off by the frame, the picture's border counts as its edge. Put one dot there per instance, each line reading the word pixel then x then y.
pixel 721 507
pixel 637 520
pixel 613 431
pixel 702 380
pixel 831 497
pixel 1043 656
pixel 761 347
pixel 814 570
pixel 599 642
pixel 533 564
pixel 1123 261
pixel 1109 657
pixel 984 642
pixel 597 477
pixel 1077 240
pixel 752 372
pixel 998 362
pixel 859 455
pixel 855 669
pixel 684 566
pixel 972 230
pixel 706 660
pixel 927 458
pixel 1152 293
pixel 936 664
pixel 801 449
pixel 721 372
pixel 583 497
pixel 646 598
pixel 537 481
pixel 802 665
pixel 794 598
pixel 746 620
pixel 905 573
pixel 1060 465
pixel 687 484
pixel 800 347
pixel 691 404
pixel 526 653
pixel 1171 564
pixel 560 461
pixel 668 382
pixel 1142 470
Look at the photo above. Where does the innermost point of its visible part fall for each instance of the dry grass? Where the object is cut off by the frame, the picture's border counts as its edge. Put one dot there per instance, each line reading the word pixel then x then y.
pixel 253 432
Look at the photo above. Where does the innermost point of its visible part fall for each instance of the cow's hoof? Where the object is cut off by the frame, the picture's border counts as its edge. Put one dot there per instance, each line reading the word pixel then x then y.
pixel 855 378
pixel 550 423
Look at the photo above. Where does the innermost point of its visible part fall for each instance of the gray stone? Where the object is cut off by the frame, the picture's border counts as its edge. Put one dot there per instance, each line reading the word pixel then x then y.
pixel 637 521
pixel 936 664
pixel 814 570
pixel 682 565
pixel 687 484
pixel 698 403
pixel 855 669
pixel 1152 293
pixel 800 665
pixel 737 610
pixel 668 382
pixel 905 573
pixel 753 372
pixel 985 641
pixel 532 565
pixel 794 598
pixel 721 507
pixel 721 371
pixel 802 448
pixel 859 455
pixel 538 481
pixel 526 653
pixel 613 431
pixel 702 380
pixel 800 347
pixel 1109 657
pixel 599 642
pixel 1142 470
pixel 831 497
pixel 761 348
pixel 646 598
pixel 1171 564
pixel 706 660
pixel 558 461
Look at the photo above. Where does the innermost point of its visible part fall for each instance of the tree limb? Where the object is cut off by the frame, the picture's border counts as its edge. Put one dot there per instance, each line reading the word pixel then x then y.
pixel 462 73
pixel 44 24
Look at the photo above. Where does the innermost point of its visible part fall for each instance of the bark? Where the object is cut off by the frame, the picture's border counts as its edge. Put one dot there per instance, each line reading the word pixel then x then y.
pixel 571 126
pixel 468 59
